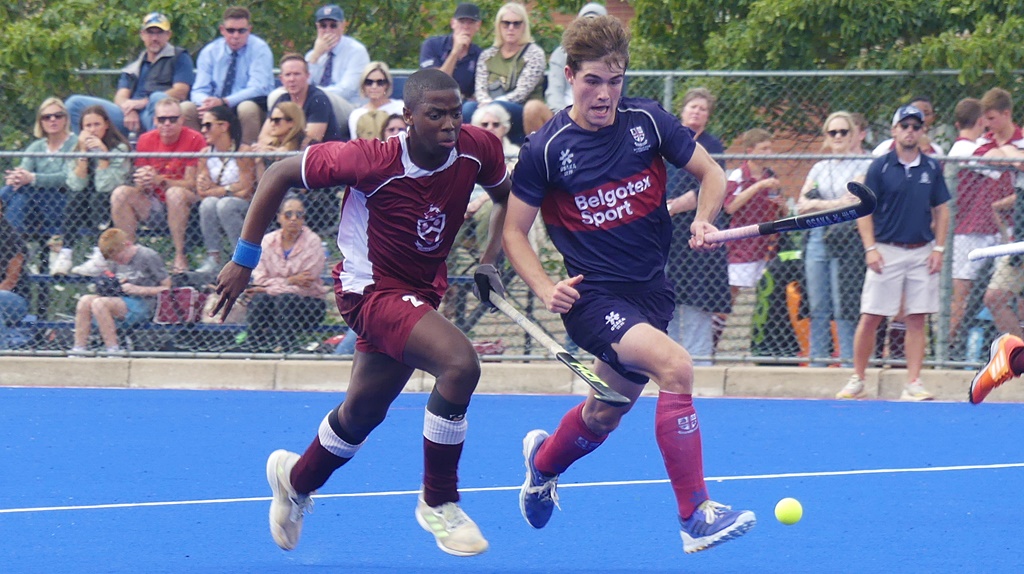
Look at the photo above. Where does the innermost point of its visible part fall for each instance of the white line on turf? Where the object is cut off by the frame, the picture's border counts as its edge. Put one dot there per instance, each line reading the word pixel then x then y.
pixel 513 488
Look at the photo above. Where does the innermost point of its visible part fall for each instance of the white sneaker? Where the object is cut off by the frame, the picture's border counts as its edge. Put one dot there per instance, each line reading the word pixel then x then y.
pixel 60 261
pixel 95 265
pixel 854 389
pixel 456 533
pixel 287 507
pixel 210 265
pixel 915 391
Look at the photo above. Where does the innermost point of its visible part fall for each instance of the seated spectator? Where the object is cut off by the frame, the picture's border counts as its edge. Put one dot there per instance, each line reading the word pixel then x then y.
pixel 163 188
pixel 14 292
pixel 91 180
pixel 287 292
pixel 455 54
pixel 225 185
pixel 752 195
pixel 511 71
pixel 237 71
pixel 394 126
pixel 336 61
pixel 558 93
pixel 161 70
pixel 367 121
pixel 321 122
pixel 141 274
pixel 287 132
pixel 33 192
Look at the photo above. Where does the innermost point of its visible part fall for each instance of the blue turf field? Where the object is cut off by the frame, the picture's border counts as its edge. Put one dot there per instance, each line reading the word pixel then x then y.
pixel 173 481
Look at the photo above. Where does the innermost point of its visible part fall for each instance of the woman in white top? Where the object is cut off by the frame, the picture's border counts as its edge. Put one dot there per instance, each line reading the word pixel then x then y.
pixel 829 297
pixel 225 184
pixel 366 121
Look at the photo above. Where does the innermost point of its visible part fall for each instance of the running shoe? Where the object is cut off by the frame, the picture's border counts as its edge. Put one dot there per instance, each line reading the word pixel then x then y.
pixel 854 389
pixel 287 507
pixel 997 371
pixel 539 495
pixel 915 391
pixel 93 266
pixel 454 530
pixel 713 523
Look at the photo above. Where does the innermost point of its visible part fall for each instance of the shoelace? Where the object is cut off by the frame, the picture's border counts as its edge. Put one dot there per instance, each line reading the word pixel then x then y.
pixel 711 510
pixel 546 490
pixel 453 516
pixel 300 506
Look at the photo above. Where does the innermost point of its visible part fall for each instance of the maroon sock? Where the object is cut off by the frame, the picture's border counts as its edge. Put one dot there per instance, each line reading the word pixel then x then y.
pixel 314 467
pixel 1017 361
pixel 569 443
pixel 678 436
pixel 440 472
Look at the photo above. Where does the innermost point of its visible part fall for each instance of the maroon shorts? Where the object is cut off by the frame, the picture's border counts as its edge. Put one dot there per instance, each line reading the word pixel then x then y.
pixel 384 318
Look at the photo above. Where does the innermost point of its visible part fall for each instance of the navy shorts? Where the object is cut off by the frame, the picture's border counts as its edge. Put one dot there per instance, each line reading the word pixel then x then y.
pixel 601 316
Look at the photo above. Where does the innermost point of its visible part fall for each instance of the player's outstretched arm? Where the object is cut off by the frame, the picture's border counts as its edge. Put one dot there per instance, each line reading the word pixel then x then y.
pixel 712 192
pixel 234 278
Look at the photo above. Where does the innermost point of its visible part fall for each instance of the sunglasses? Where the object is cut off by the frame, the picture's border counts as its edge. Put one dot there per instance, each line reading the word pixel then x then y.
pixel 838 133
pixel 369 82
pixel 236 30
pixel 294 214
pixel 167 119
pixel 51 117
pixel 911 126
pixel 155 31
pixel 278 120
pixel 511 23
pixel 487 125
pixel 208 125
pixel 327 24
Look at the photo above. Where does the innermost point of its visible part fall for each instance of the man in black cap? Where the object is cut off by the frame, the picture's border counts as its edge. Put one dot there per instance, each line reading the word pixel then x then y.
pixel 456 54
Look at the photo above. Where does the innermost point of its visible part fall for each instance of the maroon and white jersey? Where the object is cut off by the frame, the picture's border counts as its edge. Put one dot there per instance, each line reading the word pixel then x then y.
pixel 398 220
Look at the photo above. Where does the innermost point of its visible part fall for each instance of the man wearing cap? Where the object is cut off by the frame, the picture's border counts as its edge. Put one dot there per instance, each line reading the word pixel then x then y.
pixel 336 61
pixel 237 71
pixel 161 70
pixel 903 244
pixel 455 54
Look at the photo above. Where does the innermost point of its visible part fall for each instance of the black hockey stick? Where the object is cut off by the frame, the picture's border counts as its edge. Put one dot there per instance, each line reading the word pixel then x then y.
pixel 604 393
pixel 866 206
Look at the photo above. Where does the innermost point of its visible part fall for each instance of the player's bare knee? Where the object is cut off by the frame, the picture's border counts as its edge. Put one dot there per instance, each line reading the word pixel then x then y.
pixel 603 419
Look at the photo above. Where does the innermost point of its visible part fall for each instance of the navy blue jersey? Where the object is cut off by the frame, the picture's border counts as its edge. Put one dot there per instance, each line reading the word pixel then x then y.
pixel 906 196
pixel 602 194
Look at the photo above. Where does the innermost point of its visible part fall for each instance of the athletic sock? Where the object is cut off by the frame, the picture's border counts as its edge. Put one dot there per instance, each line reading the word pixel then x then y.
pixel 678 436
pixel 444 433
pixel 326 454
pixel 1017 361
pixel 571 441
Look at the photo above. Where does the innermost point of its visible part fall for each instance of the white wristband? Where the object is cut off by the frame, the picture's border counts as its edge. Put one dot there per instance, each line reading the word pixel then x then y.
pixel 939 248
pixel 872 248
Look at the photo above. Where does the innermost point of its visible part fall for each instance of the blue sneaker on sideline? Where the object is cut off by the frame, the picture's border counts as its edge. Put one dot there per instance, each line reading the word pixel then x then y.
pixel 713 523
pixel 538 497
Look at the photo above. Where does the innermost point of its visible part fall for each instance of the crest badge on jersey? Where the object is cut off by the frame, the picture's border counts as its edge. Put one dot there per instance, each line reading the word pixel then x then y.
pixel 430 229
pixel 640 143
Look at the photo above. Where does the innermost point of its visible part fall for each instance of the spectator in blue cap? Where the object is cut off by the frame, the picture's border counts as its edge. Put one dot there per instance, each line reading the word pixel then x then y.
pixel 456 54
pixel 336 61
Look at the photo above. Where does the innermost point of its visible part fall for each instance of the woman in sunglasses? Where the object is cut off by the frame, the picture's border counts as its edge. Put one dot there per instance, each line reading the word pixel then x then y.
pixel 287 134
pixel 287 292
pixel 367 121
pixel 825 188
pixel 33 192
pixel 225 184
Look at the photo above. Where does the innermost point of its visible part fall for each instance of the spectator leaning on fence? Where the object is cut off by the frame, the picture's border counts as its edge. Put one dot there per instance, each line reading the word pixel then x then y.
pixel 288 291
pixel 337 60
pixel 829 297
pixel 321 122
pixel 161 70
pixel 456 54
pixel 33 192
pixel 224 186
pixel 512 70
pixel 91 180
pixel 903 243
pixel 978 187
pixel 368 120
pixel 163 188
pixel 141 275
pixel 1005 139
pixel 14 289
pixel 236 70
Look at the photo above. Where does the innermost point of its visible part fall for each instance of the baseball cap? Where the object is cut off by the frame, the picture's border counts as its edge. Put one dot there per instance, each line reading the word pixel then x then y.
pixel 330 12
pixel 156 20
pixel 907 111
pixel 467 10
pixel 593 9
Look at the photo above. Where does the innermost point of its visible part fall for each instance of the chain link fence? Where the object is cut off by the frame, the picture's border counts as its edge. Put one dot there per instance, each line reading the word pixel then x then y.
pixel 766 324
